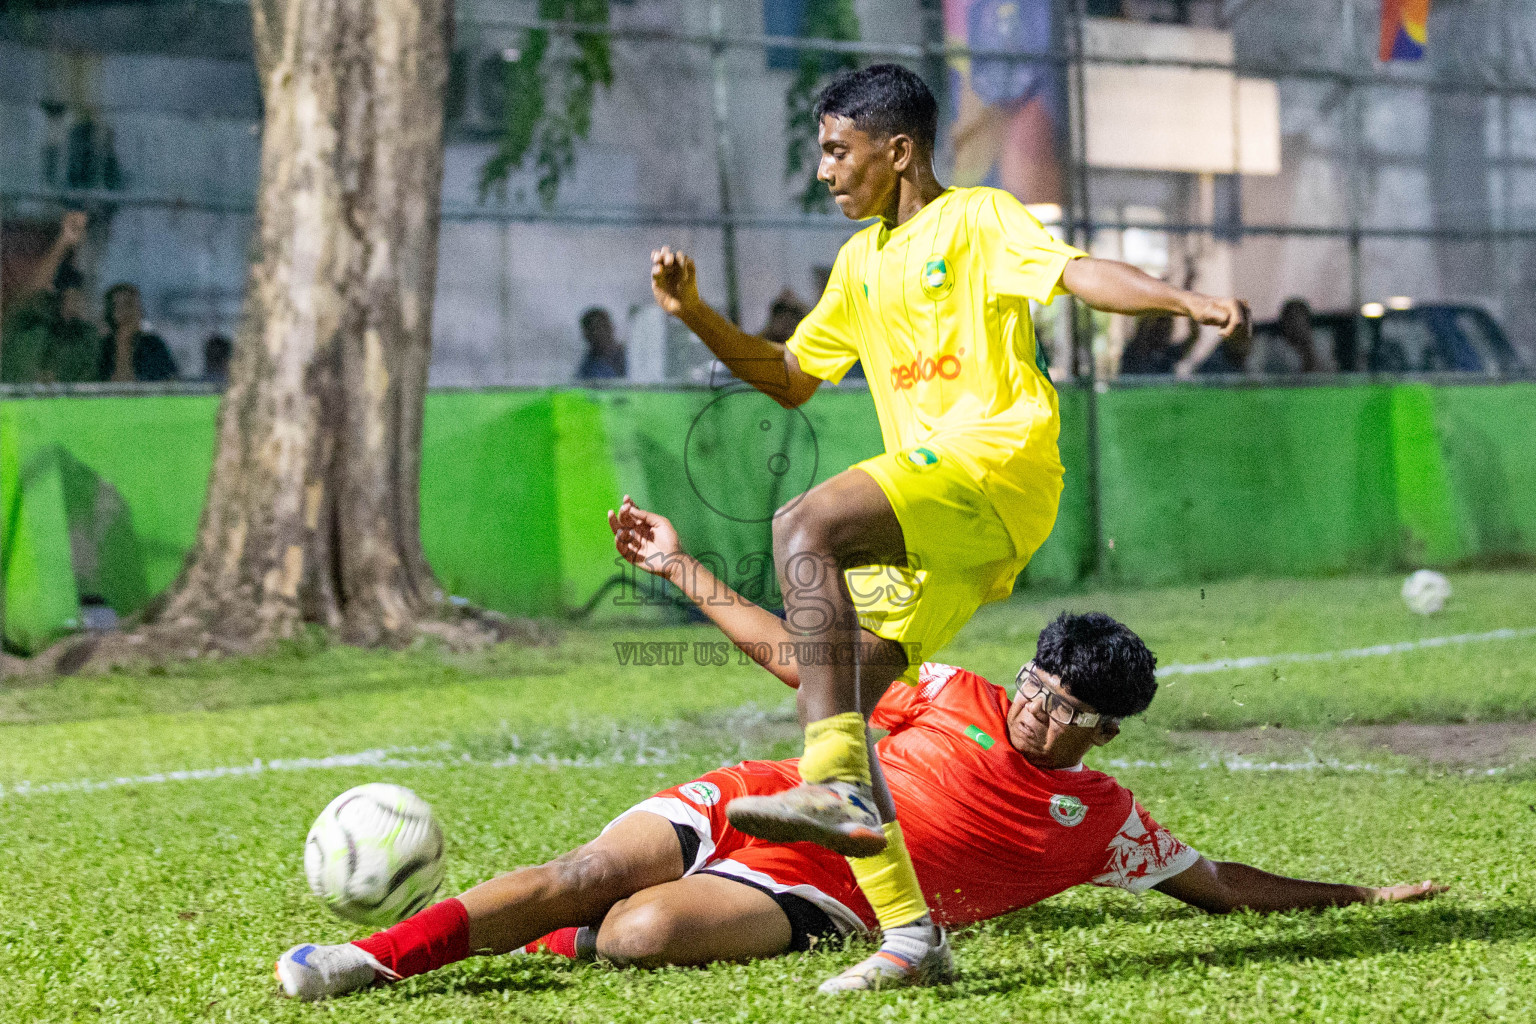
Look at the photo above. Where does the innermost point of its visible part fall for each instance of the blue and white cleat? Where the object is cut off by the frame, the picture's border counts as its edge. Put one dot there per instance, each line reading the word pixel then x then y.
pixel 838 815
pixel 309 972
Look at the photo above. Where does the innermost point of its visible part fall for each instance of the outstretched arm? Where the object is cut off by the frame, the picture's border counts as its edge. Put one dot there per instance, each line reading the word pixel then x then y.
pixel 767 365
pixel 1220 887
pixel 648 541
pixel 71 231
pixel 1117 287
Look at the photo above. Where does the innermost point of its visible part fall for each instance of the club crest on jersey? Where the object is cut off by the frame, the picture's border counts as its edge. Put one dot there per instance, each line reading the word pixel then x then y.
pixel 937 280
pixel 705 794
pixel 1068 810
pixel 919 459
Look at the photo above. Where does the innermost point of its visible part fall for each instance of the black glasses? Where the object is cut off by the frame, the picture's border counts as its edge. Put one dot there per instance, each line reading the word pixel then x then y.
pixel 1058 708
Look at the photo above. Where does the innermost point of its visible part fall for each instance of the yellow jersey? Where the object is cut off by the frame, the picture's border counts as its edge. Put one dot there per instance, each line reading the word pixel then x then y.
pixel 937 310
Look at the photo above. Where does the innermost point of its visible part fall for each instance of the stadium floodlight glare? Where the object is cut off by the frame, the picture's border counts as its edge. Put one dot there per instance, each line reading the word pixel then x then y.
pixel 1399 302
pixel 1373 310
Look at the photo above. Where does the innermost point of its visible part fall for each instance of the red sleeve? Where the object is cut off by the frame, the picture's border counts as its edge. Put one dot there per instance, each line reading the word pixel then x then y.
pixel 897 708
pixel 903 702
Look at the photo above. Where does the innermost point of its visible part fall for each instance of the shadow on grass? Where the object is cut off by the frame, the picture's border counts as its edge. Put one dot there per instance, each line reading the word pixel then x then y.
pixel 494 975
pixel 1064 916
pixel 1301 936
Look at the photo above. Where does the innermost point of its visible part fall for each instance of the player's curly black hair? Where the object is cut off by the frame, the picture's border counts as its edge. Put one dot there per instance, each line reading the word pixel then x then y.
pixel 882 100
pixel 1100 662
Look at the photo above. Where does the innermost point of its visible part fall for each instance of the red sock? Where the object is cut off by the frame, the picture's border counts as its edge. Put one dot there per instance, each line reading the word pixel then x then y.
pixel 434 938
pixel 561 942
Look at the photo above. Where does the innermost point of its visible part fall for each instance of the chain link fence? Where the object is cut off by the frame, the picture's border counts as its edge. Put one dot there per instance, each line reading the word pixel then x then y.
pixel 1391 199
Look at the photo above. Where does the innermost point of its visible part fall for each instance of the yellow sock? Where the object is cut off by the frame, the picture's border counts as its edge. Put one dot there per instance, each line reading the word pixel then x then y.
pixel 890 882
pixel 835 750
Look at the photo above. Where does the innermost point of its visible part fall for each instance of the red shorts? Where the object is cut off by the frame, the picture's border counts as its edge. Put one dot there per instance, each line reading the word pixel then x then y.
pixel 813 873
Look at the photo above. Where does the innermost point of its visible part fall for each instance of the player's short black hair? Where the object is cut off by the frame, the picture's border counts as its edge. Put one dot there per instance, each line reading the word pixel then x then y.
pixel 882 100
pixel 1100 662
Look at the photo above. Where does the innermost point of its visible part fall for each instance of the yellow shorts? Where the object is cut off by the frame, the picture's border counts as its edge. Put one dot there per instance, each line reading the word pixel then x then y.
pixel 960 552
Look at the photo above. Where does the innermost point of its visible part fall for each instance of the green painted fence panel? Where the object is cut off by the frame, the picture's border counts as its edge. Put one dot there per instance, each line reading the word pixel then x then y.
pixel 1198 483
pixel 1203 483
pixel 585 487
pixel 41 603
pixel 152 454
pixel 1429 534
pixel 1488 443
pixel 487 480
pixel 1067 553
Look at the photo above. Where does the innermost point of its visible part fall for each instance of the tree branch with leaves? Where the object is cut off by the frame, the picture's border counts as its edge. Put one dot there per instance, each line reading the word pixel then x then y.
pixel 550 90
pixel 824 19
pixel 553 83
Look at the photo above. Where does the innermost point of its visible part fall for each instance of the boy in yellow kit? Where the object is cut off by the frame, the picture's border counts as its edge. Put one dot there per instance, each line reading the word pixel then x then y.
pixel 883 563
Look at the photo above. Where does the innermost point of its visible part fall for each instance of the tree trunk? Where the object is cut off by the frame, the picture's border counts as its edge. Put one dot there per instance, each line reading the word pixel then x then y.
pixel 312 513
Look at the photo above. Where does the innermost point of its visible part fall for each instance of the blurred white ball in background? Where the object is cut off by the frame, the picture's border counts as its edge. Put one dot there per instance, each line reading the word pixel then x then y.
pixel 1425 591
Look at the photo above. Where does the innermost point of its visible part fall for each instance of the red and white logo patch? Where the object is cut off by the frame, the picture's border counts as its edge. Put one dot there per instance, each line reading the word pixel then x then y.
pixel 932 676
pixel 1140 857
pixel 705 794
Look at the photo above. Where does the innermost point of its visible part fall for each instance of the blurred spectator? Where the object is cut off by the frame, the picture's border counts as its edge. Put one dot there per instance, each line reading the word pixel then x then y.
pixel 1151 348
pixel 128 352
pixel 48 336
pixel 1231 356
pixel 1297 354
pixel 784 315
pixel 605 358
pixel 216 352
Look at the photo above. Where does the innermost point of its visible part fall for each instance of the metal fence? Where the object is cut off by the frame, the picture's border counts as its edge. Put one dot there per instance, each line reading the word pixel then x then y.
pixel 1398 186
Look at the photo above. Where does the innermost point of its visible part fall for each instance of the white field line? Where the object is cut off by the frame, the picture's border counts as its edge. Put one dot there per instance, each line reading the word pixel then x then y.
pixel 389 757
pixel 1379 651
pixel 1243 764
pixel 386 757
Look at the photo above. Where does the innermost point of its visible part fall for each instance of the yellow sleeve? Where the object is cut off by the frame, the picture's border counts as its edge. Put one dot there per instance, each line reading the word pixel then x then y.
pixel 824 340
pixel 1022 258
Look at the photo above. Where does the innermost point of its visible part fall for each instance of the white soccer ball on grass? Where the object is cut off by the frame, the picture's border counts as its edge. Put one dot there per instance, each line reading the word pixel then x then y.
pixel 375 854
pixel 1426 591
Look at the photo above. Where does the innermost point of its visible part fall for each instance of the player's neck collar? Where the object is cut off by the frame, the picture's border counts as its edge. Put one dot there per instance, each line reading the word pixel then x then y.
pixel 896 230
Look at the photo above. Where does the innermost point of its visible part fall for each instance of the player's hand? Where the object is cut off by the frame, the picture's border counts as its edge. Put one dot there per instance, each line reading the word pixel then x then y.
pixel 643 538
pixel 72 228
pixel 674 281
pixel 1409 892
pixel 1231 316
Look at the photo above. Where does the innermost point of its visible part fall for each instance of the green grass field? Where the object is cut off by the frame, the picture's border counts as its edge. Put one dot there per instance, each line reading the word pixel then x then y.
pixel 128 895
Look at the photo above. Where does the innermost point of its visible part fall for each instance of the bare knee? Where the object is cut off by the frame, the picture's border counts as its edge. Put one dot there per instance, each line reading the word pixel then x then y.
pixel 588 880
pixel 639 934
pixel 803 527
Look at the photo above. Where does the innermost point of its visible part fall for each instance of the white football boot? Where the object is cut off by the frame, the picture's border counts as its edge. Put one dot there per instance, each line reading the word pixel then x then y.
pixel 917 954
pixel 309 972
pixel 840 816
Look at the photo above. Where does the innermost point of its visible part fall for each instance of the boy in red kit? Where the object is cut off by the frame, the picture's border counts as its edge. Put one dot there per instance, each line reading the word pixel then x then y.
pixel 993 790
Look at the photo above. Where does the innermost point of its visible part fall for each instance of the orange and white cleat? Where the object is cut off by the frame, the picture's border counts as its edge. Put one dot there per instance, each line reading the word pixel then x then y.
pixel 897 965
pixel 838 815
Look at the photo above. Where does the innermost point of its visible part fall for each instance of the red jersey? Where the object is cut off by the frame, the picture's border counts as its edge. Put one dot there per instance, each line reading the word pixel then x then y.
pixel 988 832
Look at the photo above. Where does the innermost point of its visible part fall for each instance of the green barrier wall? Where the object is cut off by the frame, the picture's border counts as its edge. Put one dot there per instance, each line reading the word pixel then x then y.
pixel 1197 483
pixel 1205 483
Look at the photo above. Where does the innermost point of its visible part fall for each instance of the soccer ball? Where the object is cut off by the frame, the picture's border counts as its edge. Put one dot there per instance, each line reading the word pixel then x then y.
pixel 375 854
pixel 1425 591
